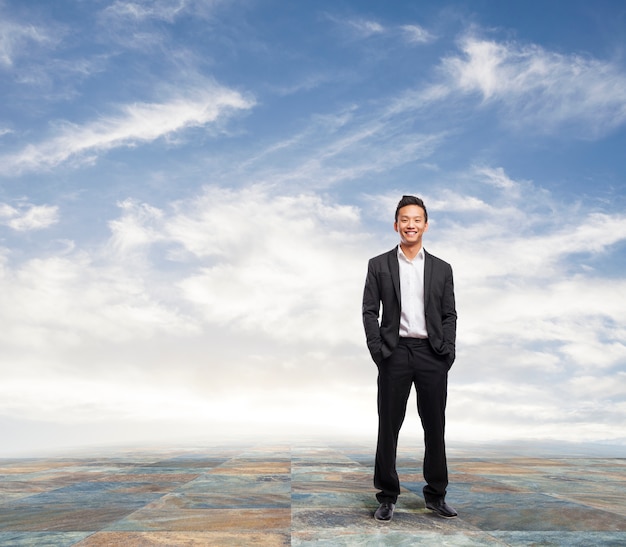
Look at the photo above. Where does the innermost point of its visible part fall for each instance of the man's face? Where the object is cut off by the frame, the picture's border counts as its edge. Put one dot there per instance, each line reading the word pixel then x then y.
pixel 411 224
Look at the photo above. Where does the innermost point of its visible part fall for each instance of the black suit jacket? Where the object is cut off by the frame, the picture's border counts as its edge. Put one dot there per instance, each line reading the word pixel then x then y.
pixel 382 286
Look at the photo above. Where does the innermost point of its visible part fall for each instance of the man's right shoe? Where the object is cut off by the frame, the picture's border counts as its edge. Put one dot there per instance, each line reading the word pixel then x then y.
pixel 385 511
pixel 441 508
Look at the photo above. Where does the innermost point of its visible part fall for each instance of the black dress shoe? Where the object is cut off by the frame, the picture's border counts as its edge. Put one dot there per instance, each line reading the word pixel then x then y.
pixel 385 511
pixel 441 508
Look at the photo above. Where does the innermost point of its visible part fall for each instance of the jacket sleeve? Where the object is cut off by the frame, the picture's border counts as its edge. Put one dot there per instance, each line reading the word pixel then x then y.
pixel 449 317
pixel 371 311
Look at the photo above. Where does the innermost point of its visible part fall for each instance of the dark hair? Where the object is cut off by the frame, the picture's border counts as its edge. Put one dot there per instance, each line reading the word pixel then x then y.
pixel 411 200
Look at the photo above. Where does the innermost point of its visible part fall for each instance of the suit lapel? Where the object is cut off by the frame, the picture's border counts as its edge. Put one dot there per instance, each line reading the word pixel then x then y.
pixel 394 268
pixel 428 271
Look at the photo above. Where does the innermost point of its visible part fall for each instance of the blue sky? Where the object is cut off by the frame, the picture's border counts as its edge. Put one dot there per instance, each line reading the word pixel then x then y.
pixel 190 192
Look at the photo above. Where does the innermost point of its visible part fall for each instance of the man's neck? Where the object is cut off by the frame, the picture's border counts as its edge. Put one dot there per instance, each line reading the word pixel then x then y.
pixel 411 251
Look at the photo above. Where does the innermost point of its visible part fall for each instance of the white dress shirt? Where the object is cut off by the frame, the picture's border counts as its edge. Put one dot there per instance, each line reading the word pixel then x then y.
pixel 412 318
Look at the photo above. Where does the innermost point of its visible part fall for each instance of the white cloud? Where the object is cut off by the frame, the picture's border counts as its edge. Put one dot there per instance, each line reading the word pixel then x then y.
pixel 162 10
pixel 340 149
pixel 28 217
pixel 135 228
pixel 16 38
pixel 133 124
pixel 593 386
pixel 417 34
pixel 541 88
pixel 247 288
pixel 359 27
pixel 366 28
pixel 278 265
pixel 270 267
pixel 51 304
pixel 498 178
pixel 505 411
pixel 261 289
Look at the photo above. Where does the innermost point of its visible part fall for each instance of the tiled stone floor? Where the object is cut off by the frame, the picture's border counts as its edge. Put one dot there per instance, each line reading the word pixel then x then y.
pixel 305 494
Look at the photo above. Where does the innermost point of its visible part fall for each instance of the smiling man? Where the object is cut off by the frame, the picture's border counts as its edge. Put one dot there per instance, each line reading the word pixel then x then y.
pixel 412 344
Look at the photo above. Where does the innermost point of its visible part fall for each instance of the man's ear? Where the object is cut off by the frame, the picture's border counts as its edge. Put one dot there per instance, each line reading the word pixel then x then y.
pixel 395 226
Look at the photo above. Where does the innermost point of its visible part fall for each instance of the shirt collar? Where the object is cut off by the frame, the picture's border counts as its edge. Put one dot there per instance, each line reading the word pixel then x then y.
pixel 418 256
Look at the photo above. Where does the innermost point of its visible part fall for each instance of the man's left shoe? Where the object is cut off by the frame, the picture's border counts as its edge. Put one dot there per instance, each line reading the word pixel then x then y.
pixel 385 511
pixel 441 508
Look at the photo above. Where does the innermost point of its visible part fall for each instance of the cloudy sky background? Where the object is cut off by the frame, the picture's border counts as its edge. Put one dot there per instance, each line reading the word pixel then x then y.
pixel 190 191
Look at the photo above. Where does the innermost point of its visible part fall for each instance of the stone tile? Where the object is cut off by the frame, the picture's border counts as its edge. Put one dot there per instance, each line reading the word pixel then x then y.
pixel 252 468
pixel 221 500
pixel 223 520
pixel 393 538
pixel 59 517
pixel 218 485
pixel 41 539
pixel 562 539
pixel 534 512
pixel 304 494
pixel 169 539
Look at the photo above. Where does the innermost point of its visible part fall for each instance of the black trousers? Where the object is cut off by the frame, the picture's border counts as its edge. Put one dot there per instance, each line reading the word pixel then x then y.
pixel 413 362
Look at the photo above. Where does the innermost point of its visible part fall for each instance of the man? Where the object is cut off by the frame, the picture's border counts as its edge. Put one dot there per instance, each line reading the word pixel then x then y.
pixel 414 344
